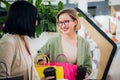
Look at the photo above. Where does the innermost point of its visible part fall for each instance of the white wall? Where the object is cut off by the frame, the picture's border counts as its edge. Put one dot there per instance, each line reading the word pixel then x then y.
pixel 114 2
pixel 37 43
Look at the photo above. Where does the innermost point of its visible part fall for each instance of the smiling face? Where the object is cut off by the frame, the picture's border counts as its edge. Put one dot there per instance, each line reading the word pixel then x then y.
pixel 66 24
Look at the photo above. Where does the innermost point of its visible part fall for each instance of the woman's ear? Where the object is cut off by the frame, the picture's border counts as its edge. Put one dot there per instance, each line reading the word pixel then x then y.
pixel 36 22
pixel 76 22
pixel 77 25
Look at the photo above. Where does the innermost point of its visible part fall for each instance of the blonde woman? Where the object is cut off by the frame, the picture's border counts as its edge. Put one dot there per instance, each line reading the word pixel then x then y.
pixel 67 42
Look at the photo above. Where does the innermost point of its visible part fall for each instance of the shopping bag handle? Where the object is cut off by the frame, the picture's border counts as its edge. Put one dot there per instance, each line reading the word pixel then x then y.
pixel 66 60
pixel 43 55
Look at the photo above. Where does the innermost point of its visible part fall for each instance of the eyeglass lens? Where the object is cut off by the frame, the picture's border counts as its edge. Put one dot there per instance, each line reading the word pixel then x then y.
pixel 66 22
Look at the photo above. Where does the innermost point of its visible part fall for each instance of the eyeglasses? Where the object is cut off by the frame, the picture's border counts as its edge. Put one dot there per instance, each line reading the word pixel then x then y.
pixel 66 22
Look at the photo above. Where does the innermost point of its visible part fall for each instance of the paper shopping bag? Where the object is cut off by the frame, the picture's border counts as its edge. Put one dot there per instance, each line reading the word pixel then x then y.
pixel 40 68
pixel 59 70
pixel 70 70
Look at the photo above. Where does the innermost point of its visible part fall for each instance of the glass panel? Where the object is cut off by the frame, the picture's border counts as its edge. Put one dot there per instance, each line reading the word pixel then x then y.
pixel 102 47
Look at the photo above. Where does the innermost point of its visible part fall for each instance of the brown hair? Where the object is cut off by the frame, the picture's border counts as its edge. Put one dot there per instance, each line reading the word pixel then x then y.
pixel 72 13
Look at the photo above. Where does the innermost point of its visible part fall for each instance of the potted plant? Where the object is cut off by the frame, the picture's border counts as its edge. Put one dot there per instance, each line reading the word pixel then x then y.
pixel 46 15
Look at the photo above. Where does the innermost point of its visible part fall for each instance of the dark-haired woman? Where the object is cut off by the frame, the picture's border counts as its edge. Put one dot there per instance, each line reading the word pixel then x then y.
pixel 15 56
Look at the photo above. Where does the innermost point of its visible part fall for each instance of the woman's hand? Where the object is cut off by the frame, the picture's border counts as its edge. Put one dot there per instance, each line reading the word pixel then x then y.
pixel 42 62
pixel 86 77
pixel 47 78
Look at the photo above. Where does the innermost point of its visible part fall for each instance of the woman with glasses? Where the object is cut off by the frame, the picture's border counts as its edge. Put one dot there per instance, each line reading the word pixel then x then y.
pixel 67 42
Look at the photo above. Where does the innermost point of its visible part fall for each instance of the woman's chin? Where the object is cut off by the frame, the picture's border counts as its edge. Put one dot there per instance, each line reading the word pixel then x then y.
pixel 65 32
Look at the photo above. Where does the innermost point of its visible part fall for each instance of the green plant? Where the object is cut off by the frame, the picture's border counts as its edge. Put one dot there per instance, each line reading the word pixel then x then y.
pixel 6 9
pixel 46 16
pixel 3 18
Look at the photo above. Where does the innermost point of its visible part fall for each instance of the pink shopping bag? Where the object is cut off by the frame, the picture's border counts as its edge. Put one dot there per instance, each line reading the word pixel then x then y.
pixel 70 70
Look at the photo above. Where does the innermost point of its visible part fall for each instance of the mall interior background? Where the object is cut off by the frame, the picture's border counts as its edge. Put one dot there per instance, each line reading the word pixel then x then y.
pixel 107 13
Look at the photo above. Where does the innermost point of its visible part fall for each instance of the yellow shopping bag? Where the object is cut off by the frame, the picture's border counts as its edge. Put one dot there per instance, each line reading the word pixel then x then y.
pixel 59 71
pixel 40 68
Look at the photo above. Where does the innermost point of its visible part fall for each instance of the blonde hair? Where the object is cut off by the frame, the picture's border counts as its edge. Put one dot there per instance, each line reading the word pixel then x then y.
pixel 72 13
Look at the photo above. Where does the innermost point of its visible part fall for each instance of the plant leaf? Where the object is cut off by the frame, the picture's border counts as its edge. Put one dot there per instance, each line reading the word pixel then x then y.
pixel 6 3
pixel 37 3
pixel 60 5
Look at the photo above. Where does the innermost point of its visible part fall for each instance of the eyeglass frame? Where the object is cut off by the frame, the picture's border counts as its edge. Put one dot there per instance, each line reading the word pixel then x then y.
pixel 65 22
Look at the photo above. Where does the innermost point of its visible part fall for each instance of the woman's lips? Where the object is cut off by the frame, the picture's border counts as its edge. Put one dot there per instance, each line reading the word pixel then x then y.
pixel 65 29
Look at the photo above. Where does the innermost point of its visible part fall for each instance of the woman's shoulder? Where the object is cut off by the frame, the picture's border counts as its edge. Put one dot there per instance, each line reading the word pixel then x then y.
pixel 83 40
pixel 55 37
pixel 8 39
